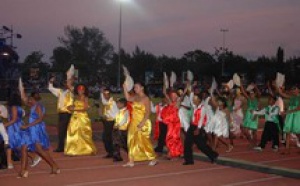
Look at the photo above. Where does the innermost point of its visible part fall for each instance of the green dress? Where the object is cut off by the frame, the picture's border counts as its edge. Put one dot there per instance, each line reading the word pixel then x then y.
pixel 251 121
pixel 292 120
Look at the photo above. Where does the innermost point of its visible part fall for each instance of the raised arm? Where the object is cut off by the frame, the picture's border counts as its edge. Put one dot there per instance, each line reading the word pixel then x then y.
pixel 128 97
pixel 283 94
pixel 52 89
pixel 243 91
pixel 166 94
pixel 258 92
pixel 270 89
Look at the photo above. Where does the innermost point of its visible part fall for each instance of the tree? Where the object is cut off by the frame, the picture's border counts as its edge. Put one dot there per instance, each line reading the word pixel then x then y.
pixel 86 48
pixel 34 69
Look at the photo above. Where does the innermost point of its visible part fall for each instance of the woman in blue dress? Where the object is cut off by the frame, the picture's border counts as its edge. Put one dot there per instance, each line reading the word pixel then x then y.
pixel 35 130
pixel 13 127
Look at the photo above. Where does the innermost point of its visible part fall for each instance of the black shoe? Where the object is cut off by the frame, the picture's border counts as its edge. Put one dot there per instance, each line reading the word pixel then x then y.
pixel 157 150
pixel 58 150
pixel 108 156
pixel 188 163
pixel 117 159
pixel 214 159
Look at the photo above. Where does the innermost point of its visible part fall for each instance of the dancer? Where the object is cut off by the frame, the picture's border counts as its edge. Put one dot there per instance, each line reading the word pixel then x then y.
pixel 237 113
pixel 79 135
pixel 13 127
pixel 65 99
pixel 291 124
pixel 139 144
pixel 120 130
pixel 221 120
pixel 109 113
pixel 3 138
pixel 250 123
pixel 197 135
pixel 160 130
pixel 171 118
pixel 3 132
pixel 34 135
pixel 280 104
pixel 271 128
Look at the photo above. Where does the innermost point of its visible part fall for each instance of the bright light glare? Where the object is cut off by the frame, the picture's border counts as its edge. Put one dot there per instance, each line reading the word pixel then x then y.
pixel 124 1
pixel 5 54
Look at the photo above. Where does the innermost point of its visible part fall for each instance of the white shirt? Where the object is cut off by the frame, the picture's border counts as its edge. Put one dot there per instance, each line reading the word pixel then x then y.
pixel 61 94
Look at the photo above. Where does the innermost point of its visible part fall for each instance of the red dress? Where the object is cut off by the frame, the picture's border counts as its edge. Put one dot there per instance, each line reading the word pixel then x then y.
pixel 171 119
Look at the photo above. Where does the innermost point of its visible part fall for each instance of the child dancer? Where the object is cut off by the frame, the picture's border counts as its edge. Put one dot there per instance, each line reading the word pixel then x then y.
pixel 120 129
pixel 221 120
pixel 271 128
pixel 250 123
pixel 292 118
pixel 197 135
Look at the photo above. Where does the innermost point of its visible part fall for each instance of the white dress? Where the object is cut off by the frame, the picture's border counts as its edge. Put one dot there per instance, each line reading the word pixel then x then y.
pixel 184 113
pixel 209 128
pixel 221 126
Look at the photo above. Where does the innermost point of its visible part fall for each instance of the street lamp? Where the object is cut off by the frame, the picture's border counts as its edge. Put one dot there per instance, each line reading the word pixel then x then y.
pixel 223 48
pixel 120 43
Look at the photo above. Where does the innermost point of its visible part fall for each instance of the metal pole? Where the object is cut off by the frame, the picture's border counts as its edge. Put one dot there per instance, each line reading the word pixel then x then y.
pixel 120 43
pixel 223 48
pixel 11 37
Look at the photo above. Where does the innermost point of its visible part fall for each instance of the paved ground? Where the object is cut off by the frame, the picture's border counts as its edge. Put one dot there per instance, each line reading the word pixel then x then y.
pixel 231 170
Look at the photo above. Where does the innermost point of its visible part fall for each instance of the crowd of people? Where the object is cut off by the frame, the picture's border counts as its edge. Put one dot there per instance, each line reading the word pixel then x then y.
pixel 184 116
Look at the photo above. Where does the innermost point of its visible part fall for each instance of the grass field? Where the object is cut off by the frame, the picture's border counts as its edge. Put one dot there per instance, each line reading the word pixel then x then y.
pixel 50 102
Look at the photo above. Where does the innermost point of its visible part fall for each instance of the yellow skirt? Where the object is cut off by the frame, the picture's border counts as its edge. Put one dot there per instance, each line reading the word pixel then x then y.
pixel 79 136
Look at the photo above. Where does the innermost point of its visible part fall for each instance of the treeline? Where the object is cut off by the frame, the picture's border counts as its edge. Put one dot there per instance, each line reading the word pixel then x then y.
pixel 96 60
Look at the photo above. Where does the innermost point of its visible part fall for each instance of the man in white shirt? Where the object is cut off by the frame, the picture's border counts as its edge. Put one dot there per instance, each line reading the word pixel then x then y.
pixel 109 112
pixel 65 99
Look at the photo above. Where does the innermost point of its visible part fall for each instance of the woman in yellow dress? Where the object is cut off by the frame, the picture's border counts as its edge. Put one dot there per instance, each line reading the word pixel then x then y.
pixel 139 144
pixel 79 135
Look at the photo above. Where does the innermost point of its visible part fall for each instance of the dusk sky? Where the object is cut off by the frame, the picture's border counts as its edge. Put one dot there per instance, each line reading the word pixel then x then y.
pixel 170 27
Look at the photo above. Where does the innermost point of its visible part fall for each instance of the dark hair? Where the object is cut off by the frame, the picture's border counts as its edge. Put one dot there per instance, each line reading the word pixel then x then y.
pixel 143 85
pixel 122 101
pixel 274 98
pixel 199 95
pixel 86 92
pixel 35 95
pixel 224 101
pixel 14 99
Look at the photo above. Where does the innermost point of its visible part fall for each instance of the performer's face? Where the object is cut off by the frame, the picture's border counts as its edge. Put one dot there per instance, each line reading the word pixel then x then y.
pixel 138 88
pixel 196 100
pixel 31 101
pixel 252 95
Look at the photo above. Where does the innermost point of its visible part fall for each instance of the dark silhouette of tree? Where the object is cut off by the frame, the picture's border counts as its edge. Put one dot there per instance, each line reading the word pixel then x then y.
pixel 86 48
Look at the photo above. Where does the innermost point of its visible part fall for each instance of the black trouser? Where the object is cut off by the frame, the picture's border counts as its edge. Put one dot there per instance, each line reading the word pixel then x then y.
pixel 201 142
pixel 119 141
pixel 3 162
pixel 63 122
pixel 107 136
pixel 281 125
pixel 270 132
pixel 162 137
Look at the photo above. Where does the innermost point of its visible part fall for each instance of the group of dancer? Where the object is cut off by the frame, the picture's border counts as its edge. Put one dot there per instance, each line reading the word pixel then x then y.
pixel 184 116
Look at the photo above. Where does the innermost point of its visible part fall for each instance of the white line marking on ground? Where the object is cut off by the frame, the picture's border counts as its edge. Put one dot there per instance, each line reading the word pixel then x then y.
pixel 254 181
pixel 146 177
